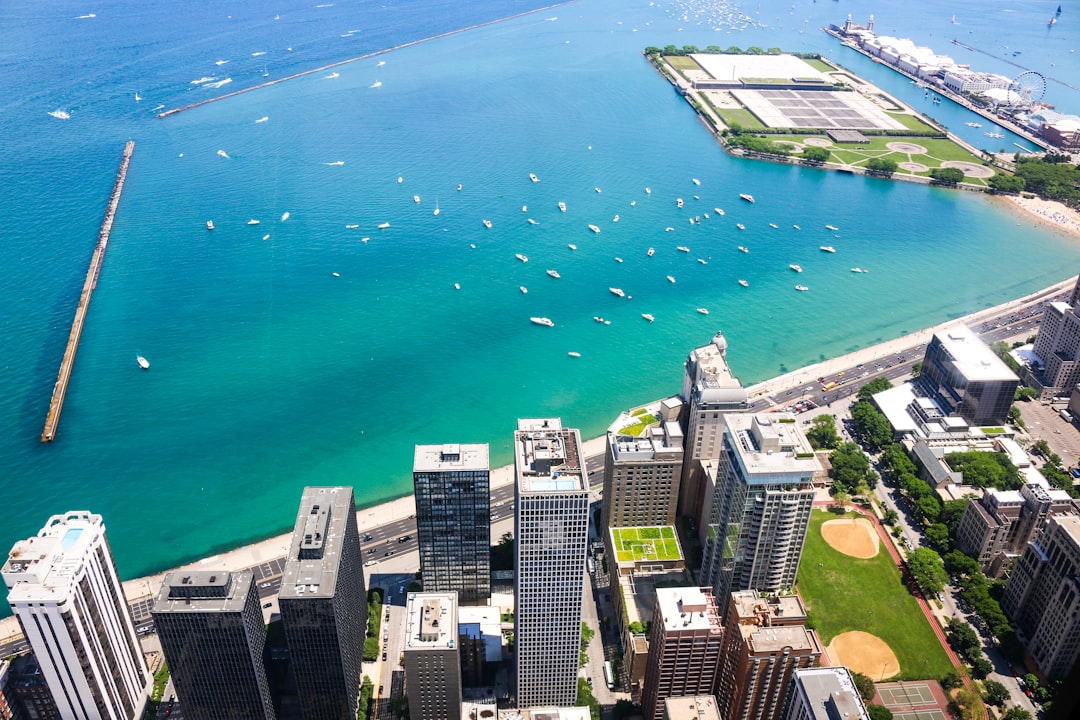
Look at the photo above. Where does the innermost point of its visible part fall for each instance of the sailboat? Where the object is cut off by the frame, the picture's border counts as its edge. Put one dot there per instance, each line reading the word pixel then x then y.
pixel 436 211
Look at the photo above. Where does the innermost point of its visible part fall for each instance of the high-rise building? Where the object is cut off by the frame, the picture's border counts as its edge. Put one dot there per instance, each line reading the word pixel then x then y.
pixel 684 647
pixel 1042 596
pixel 432 660
pixel 323 604
pixel 64 588
pixel 551 528
pixel 765 643
pixel 759 504
pixel 453 519
pixel 964 377
pixel 709 390
pixel 641 476
pixel 28 692
pixel 1057 346
pixel 826 693
pixel 212 634
pixel 10 708
pixel 996 528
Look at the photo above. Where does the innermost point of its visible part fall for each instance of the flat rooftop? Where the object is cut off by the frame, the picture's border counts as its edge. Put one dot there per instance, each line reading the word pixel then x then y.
pixel 547 457
pixel 687 608
pixel 204 591
pixel 774 639
pixel 431 621
pixel 758 67
pixel 318 538
pixel 710 372
pixel 771 443
pixel 450 458
pixel 660 443
pixel 482 622
pixel 639 590
pixel 691 707
pixel 642 544
pixel 1070 524
pixel 972 357
pixel 44 568
pixel 831 693
pixel 788 108
pixel 750 607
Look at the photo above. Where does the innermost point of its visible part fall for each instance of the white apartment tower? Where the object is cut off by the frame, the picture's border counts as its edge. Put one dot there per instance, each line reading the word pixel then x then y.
pixel 760 494
pixel 64 589
pixel 709 390
pixel 432 657
pixel 551 528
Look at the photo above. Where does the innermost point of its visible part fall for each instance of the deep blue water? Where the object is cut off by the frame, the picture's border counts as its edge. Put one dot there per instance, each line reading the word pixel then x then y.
pixel 270 373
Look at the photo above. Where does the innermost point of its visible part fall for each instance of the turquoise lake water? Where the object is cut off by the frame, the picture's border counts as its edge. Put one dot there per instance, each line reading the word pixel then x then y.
pixel 269 372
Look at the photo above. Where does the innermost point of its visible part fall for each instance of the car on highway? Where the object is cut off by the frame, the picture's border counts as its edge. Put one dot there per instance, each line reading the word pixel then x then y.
pixel 388 553
pixel 371 551
pixel 404 538
pixel 266 605
pixel 384 657
pixel 366 537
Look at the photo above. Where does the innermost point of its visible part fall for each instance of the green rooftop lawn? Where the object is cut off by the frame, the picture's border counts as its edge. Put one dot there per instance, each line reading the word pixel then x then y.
pixel 647 543
pixel 911 122
pixel 738 116
pixel 844 593
pixel 680 62
pixel 820 65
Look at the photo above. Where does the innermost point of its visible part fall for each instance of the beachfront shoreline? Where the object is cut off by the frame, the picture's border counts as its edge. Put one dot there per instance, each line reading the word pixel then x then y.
pixel 1049 214
pixel 403 507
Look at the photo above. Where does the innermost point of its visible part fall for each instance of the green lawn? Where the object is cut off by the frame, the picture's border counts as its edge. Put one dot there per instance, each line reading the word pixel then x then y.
pixel 909 121
pixel 844 593
pixel 642 424
pixel 819 65
pixel 738 116
pixel 680 62
pixel 646 543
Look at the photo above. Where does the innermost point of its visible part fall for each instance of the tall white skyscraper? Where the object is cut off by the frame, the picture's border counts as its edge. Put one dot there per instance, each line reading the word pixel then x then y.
pixel 551 530
pixel 65 591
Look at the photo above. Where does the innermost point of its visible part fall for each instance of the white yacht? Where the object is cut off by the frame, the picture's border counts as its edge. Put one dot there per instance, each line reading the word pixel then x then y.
pixel 594 228
pixel 532 176
pixel 857 270
pixel 487 223
pixel 521 257
pixel 524 290
pixel 801 288
pixel 796 227
pixel 416 199
pixel 651 252
pixel 832 227
pixel 827 248
pixel 253 221
pixel 670 279
pixel 774 226
pixel 703 311
pixel 796 268
pixel 648 317
pixel 143 362
pixel 743 249
pixel 703 261
pixel 383 226
pixel 678 202
pixel 695 181
pixel 574 354
pixel 746 197
pixel 617 291
pixel 533 222
pixel 284 216
pixel 554 273
pixel 209 224
pixel 618 259
pixel 683 248
pixel 562 206
pixel 615 219
pixel 744 283
pixel 718 211
pixel 542 321
pixel 572 246
pixel 740 226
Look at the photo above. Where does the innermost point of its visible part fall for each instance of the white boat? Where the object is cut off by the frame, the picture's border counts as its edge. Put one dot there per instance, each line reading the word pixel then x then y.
pixel 376 84
pixel 597 318
pixel 703 261
pixel 596 189
pixel 706 216
pixel 332 75
pixel 459 187
pixel 532 176
pixel 678 202
pixel 832 227
pixel 774 226
pixel 718 211
pixel 416 199
pixel 703 311
pixel 740 226
pixel 263 119
pixel 801 288
pixel 827 248
pixel 744 283
pixel 796 268
pixel 209 224
pixel 796 227
pixel 574 354
pixel 352 227
pixel 857 270
pixel 648 191
pixel 648 317
pixel 572 246
pixel 615 219
pixel 562 206
pixel 436 211
pixel 669 229
pixel 743 249
pixel 61 114
pixel 691 221
pixel 524 208
pixel 682 248
pixel 695 181
pixel 400 179
pixel 533 222
pixel 383 226
pixel 137 97
pixel 524 290
pixel 670 279
pixel 253 221
pixel 633 203
pixel 651 252
pixel 594 228
pixel 284 216
pixel 542 321
pixel 617 291
pixel 457 286
pixel 143 362
pixel 487 223
pixel 339 275
pixel 266 236
pixel 746 197
pixel 521 257
pixel 618 259
pixel 222 153
pixel 554 273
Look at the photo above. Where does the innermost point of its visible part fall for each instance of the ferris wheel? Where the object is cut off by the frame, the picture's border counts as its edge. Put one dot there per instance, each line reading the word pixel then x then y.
pixel 1026 89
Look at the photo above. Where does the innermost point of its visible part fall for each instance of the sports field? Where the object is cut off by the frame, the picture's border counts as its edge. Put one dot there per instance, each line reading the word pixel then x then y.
pixel 845 593
pixel 645 543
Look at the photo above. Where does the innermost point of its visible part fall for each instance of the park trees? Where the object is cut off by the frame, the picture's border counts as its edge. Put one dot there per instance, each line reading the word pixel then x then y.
pixel 927 570
pixel 850 468
pixel 871 425
pixel 946 176
pixel 986 469
pixel 995 693
pixel 873 387
pixel 822 433
pixel 884 167
pixel 1006 183
pixel 816 154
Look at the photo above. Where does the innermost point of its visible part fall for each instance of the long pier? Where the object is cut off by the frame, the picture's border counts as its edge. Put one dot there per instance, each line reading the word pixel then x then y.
pixel 96 260
pixel 339 63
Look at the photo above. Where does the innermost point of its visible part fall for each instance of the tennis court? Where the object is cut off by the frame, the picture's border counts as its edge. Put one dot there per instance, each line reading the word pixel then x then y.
pixel 907 694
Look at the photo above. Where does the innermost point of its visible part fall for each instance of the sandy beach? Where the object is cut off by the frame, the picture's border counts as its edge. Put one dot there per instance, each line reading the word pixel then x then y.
pixel 276 547
pixel 1045 213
